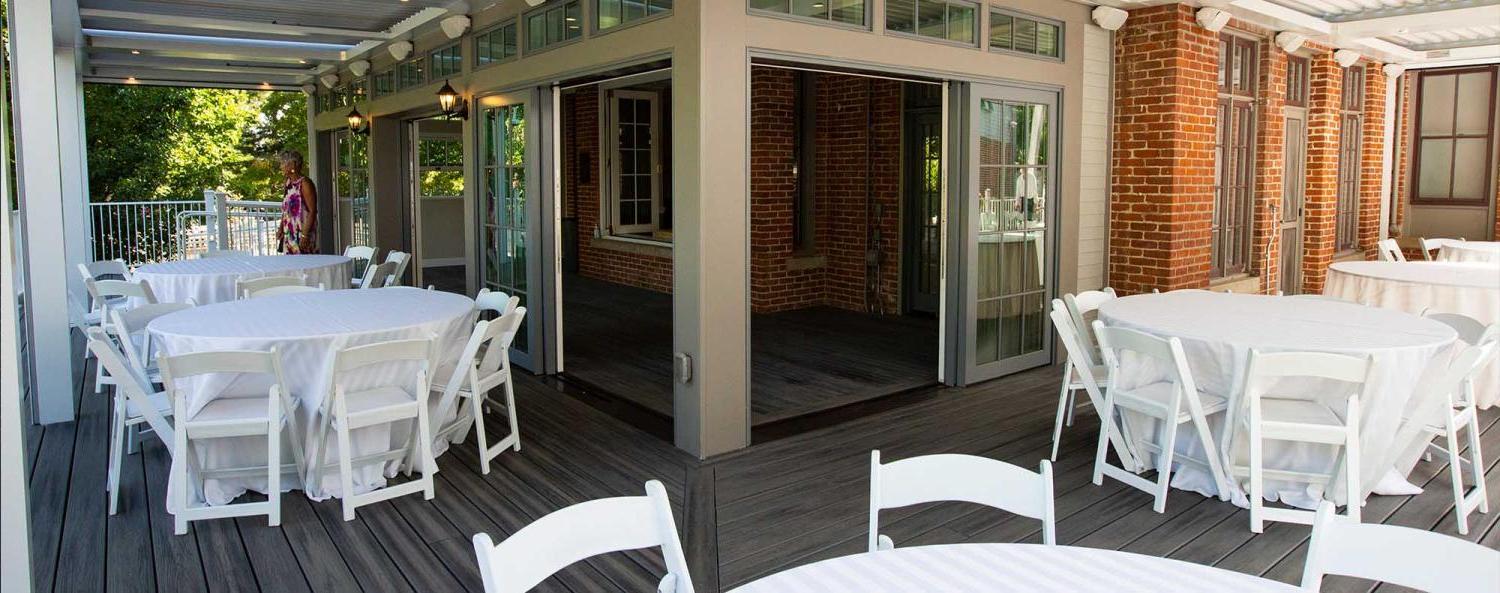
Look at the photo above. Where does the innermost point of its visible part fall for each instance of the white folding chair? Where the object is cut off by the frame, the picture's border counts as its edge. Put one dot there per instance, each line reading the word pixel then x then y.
pixel 1429 246
pixel 1269 416
pixel 136 402
pixel 229 416
pixel 224 253
pixel 363 257
pixel 401 259
pixel 1403 556
pixel 115 294
pixel 581 531
pixel 1474 333
pixel 959 478
pixel 128 328
pixel 243 288
pixel 280 290
pixel 498 302
pixel 1171 401
pixel 483 366
pixel 1390 250
pixel 1446 381
pixel 109 269
pixel 402 398
pixel 378 276
pixel 1080 371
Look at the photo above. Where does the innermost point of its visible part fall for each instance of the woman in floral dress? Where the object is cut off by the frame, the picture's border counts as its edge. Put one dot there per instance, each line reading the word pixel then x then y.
pixel 298 231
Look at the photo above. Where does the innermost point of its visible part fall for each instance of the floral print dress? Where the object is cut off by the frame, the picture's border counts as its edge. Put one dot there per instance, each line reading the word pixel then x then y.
pixel 293 218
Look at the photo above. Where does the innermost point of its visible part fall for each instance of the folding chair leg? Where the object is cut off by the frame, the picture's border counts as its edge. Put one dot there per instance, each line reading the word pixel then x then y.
pixel 1062 406
pixel 1101 454
pixel 1257 486
pixel 346 471
pixel 116 452
pixel 1352 461
pixel 510 410
pixel 1164 463
pixel 1476 465
pixel 273 471
pixel 424 449
pixel 1456 475
pixel 480 439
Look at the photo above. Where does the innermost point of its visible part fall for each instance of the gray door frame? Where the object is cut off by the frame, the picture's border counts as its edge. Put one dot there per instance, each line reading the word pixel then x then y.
pixel 1293 199
pixel 964 229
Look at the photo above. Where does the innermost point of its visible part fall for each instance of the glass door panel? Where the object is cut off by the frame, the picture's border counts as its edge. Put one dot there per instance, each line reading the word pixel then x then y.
pixel 507 212
pixel 1010 216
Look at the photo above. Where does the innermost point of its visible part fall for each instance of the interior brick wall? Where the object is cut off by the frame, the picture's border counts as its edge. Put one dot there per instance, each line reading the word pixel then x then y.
pixel 1403 147
pixel 1161 202
pixel 1270 158
pixel 617 264
pixel 1321 193
pixel 1372 159
pixel 857 138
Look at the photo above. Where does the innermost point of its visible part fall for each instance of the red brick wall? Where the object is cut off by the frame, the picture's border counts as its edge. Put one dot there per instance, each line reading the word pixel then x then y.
pixel 848 151
pixel 1372 159
pixel 1403 145
pixel 1321 205
pixel 596 260
pixel 1161 203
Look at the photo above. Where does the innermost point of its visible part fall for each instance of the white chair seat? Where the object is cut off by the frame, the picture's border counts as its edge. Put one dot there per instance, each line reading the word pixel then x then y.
pixel 232 410
pixel 1159 396
pixel 159 401
pixel 377 405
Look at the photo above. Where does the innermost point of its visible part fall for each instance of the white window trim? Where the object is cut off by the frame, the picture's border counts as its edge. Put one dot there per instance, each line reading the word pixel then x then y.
pixel 456 137
pixel 611 194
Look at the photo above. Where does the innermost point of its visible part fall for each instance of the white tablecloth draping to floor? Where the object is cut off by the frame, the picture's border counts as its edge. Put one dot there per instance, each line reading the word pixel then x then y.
pixel 1218 330
pixel 1001 568
pixel 307 329
pixel 1466 288
pixel 1470 251
pixel 211 280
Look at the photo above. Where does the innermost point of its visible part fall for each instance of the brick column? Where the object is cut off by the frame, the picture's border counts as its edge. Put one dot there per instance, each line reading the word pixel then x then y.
pixel 1270 159
pixel 1321 205
pixel 1372 159
pixel 1161 202
pixel 1403 151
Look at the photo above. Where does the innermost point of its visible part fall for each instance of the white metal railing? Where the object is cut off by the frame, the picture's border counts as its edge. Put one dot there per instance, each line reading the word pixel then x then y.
pixel 145 232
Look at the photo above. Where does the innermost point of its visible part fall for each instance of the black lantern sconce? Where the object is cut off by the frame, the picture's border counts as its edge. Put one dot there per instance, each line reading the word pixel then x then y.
pixel 453 105
pixel 357 122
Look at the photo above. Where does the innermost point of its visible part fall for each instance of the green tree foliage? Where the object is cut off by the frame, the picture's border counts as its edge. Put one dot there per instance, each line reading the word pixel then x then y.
pixel 171 143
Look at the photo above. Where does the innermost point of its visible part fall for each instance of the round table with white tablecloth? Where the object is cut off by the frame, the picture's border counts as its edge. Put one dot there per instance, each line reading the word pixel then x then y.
pixel 1470 251
pixel 1001 568
pixel 1466 288
pixel 307 329
pixel 1218 331
pixel 212 279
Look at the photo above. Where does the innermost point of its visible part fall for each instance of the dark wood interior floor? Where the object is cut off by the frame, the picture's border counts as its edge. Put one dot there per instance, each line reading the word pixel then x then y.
pixel 618 339
pixel 742 515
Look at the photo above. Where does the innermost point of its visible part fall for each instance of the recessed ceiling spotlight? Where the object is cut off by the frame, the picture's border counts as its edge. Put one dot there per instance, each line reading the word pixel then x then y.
pixel 135 52
pixel 131 80
pixel 301 61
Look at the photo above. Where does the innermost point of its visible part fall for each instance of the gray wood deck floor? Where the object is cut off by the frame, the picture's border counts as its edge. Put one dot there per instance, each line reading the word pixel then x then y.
pixel 744 515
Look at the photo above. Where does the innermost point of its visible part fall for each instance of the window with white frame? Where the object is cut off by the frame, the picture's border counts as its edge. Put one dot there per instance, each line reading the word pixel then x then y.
pixel 849 12
pixel 636 161
pixel 554 24
pixel 949 20
pixel 440 166
pixel 613 13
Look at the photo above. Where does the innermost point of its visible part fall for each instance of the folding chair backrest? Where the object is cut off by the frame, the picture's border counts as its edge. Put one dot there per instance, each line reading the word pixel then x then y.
pixel 1265 369
pixel 243 288
pixel 105 269
pixel 1404 556
pixel 175 368
pixel 498 302
pixel 124 288
pixel 960 478
pixel 1081 355
pixel 280 290
pixel 129 380
pixel 401 259
pixel 581 531
pixel 1390 250
pixel 349 359
pixel 500 334
pixel 1431 245
pixel 363 255
pixel 378 276
pixel 127 323
pixel 1469 329
pixel 1080 306
pixel 1165 351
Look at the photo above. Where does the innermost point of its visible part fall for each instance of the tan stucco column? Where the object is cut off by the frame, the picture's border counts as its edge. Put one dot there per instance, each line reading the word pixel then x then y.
pixel 710 317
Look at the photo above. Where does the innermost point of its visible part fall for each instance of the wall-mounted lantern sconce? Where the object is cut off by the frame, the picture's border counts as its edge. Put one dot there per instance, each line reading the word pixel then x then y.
pixel 357 122
pixel 452 104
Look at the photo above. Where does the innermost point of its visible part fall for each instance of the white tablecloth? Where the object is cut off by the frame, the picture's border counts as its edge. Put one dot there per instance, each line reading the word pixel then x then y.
pixel 211 279
pixel 998 568
pixel 1470 251
pixel 307 329
pixel 1467 288
pixel 1218 330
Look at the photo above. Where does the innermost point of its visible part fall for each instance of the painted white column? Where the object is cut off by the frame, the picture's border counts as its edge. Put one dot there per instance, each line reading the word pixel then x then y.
pixel 73 159
pixel 1388 196
pixel 44 208
pixel 15 515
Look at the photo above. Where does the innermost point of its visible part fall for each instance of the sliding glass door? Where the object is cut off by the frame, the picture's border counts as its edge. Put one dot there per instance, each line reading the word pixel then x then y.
pixel 508 210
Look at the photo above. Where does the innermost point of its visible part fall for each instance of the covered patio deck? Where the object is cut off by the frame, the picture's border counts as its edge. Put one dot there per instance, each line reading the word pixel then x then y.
pixel 742 516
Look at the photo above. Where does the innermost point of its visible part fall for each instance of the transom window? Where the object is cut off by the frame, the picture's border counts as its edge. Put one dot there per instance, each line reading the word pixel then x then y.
pixel 445 62
pixel 613 13
pixel 1453 130
pixel 385 82
pixel 496 45
pixel 1296 81
pixel 410 74
pixel 1025 34
pixel 849 12
pixel 1351 133
pixel 554 24
pixel 949 20
pixel 440 166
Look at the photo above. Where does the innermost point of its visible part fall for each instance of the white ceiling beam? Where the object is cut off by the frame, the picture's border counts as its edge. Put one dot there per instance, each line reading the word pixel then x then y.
pixel 1476 52
pixel 1423 22
pixel 219 84
pixel 213 46
pixel 231 26
pixel 189 75
pixel 1283 18
pixel 400 30
pixel 1388 51
pixel 195 65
